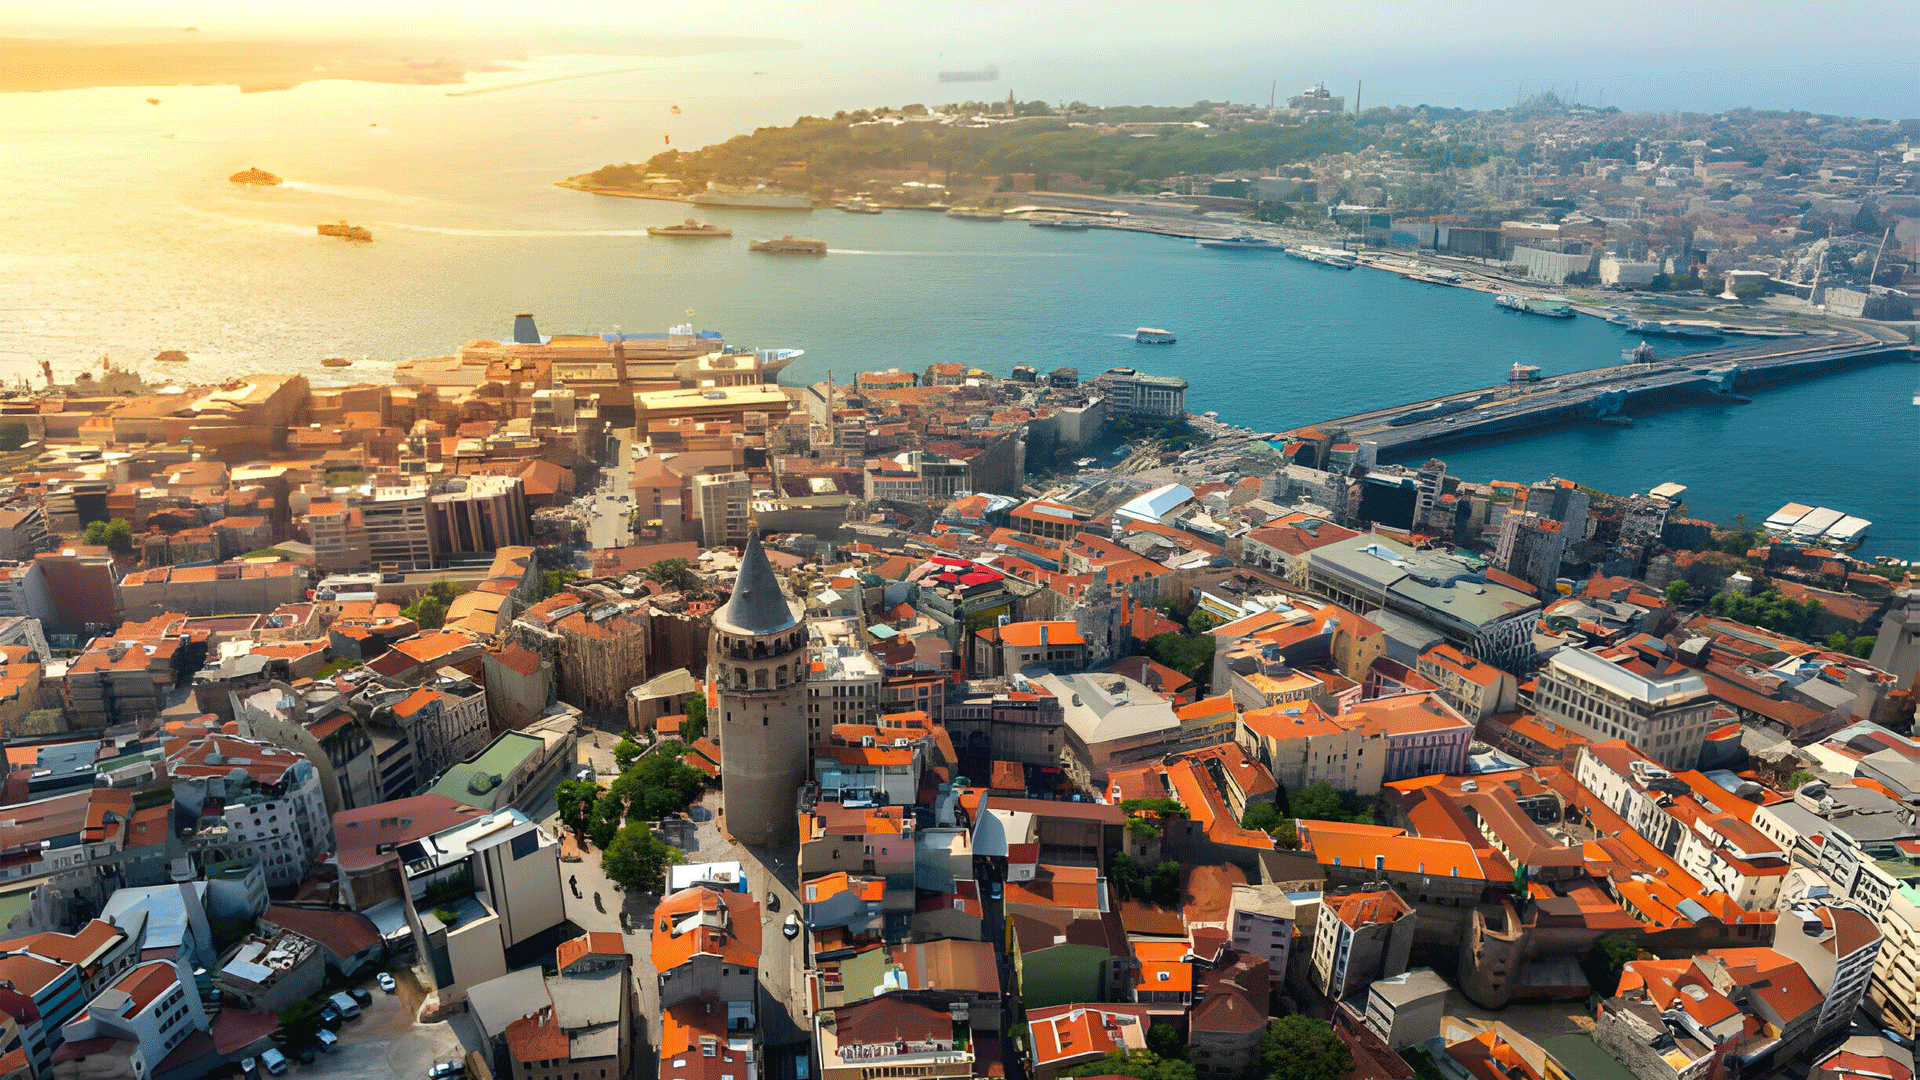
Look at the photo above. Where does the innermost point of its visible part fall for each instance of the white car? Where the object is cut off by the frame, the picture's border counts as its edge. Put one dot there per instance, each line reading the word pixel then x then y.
pixel 386 982
pixel 791 927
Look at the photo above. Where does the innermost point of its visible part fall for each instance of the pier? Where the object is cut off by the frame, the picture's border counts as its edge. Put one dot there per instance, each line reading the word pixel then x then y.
pixel 1609 395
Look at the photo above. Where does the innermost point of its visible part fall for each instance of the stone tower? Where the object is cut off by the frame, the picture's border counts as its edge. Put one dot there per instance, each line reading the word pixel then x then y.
pixel 760 662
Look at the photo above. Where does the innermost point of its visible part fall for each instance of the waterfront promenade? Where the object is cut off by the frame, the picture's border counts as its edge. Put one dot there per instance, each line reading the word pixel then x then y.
pixel 1608 395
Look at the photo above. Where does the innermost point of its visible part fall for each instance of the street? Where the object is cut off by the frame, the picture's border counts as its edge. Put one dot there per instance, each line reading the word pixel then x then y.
pixel 610 523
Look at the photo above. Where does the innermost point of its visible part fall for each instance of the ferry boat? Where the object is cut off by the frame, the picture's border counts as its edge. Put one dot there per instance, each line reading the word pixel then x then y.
pixel 757 199
pixel 345 231
pixel 857 206
pixel 975 213
pixel 1147 335
pixel 1068 223
pixel 1240 242
pixel 689 227
pixel 1679 328
pixel 789 245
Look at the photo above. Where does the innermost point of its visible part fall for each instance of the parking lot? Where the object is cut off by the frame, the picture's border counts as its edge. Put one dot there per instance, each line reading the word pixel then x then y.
pixel 384 1042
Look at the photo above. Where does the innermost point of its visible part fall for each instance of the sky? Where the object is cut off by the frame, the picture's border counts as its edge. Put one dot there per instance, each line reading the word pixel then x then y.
pixel 1848 57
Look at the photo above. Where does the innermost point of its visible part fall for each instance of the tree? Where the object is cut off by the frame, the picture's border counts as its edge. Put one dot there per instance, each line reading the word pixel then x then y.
pixel 299 1024
pixel 429 610
pixel 1836 641
pixel 1866 221
pixel 1800 776
pixel 1676 591
pixel 119 537
pixel 695 725
pixel 677 574
pixel 1303 1048
pixel 1200 622
pixel 575 800
pixel 637 859
pixel 1163 884
pixel 1318 802
pixel 1165 1040
pixel 1606 960
pixel 552 581
pixel 1263 816
pixel 1139 1064
pixel 604 825
pixel 1286 837
pixel 1862 646
pixel 626 751
pixel 660 784
pixel 1143 828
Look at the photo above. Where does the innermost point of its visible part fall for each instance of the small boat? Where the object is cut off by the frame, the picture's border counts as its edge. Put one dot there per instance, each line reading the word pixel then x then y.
pixel 170 356
pixel 1240 242
pixel 153 101
pixel 1081 463
pixel 1211 414
pixel 675 110
pixel 789 245
pixel 345 231
pixel 690 227
pixel 1067 223
pixel 1147 335
pixel 336 361
pixel 254 178
pixel 975 213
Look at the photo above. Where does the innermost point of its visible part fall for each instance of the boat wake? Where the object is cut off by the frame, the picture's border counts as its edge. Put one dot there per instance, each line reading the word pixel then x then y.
pixel 448 231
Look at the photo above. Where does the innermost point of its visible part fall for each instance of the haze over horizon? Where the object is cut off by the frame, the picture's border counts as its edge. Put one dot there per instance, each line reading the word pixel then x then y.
pixel 1854 59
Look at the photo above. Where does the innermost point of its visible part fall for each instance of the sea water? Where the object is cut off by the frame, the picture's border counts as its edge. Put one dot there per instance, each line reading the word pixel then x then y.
pixel 125 238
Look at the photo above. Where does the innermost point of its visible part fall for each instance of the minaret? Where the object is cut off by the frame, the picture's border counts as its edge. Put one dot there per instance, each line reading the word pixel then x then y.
pixel 759 656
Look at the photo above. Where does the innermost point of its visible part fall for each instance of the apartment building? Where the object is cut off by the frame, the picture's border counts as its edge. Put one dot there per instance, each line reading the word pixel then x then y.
pixel 1131 393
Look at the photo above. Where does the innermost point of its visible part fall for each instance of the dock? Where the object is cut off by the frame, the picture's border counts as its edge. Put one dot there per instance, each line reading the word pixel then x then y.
pixel 1609 395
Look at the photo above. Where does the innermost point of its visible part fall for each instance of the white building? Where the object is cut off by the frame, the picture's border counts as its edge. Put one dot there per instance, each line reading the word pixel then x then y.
pixel 1650 701
pixel 1627 273
pixel 255 801
pixel 153 1007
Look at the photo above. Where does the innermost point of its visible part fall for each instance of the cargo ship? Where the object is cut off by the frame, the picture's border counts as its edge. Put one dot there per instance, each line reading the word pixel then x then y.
pixel 757 199
pixel 345 231
pixel 790 245
pixel 1241 242
pixel 690 227
pixel 1147 335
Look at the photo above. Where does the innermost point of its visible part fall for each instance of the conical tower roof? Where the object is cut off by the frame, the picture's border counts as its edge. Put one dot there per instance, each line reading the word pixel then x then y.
pixel 757 605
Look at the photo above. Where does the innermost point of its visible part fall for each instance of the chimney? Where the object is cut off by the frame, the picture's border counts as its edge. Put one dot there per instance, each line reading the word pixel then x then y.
pixel 524 332
pixel 619 356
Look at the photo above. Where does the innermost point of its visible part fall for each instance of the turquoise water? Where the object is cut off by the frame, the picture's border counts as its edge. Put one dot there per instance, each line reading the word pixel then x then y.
pixel 145 246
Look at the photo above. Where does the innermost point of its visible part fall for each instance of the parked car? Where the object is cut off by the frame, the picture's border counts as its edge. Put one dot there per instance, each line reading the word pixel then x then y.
pixel 446 1069
pixel 791 927
pixel 387 983
pixel 275 1061
pixel 364 997
pixel 248 1067
pixel 993 890
pixel 331 1019
pixel 306 1054
pixel 327 1041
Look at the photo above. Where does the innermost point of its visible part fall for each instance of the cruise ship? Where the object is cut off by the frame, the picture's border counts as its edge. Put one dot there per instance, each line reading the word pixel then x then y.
pixel 1240 242
pixel 790 245
pixel 1339 260
pixel 1679 328
pixel 690 227
pixel 757 199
